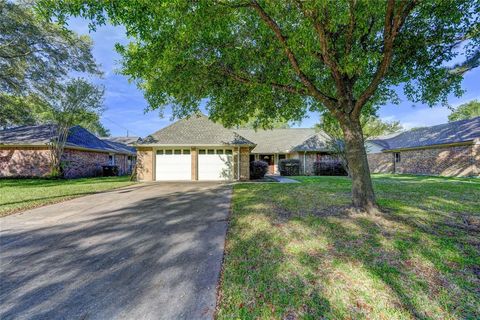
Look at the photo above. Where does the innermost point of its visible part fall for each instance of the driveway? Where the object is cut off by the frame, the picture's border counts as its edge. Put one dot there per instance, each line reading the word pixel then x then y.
pixel 150 251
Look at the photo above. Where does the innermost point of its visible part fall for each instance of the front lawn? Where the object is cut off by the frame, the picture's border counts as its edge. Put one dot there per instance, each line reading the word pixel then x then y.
pixel 22 194
pixel 293 251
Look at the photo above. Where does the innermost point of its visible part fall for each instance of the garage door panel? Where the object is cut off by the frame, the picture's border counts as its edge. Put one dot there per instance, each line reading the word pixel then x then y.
pixel 173 167
pixel 215 167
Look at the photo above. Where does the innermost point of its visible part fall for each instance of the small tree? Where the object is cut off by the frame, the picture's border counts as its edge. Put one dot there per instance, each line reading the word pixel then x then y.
pixel 69 103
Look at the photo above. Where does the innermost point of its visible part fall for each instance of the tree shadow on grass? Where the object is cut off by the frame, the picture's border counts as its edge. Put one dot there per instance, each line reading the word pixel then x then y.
pixel 382 266
pixel 156 257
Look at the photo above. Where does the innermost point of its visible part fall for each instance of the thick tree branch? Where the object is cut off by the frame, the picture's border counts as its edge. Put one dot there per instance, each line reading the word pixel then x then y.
pixel 328 57
pixel 393 24
pixel 272 24
pixel 254 81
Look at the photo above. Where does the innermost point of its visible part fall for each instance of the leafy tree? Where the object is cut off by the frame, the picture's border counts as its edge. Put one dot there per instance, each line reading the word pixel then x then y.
pixel 467 110
pixel 69 104
pixel 372 126
pixel 34 53
pixel 34 56
pixel 254 124
pixel 279 59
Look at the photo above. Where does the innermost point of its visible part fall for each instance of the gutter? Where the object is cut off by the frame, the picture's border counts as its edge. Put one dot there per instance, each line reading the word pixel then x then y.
pixel 432 146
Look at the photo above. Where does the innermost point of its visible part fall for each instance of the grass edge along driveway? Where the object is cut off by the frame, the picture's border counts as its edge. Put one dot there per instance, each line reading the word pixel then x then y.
pixel 294 252
pixel 22 194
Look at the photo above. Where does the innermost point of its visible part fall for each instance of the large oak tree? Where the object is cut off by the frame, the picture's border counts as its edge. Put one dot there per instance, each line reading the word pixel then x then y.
pixel 279 59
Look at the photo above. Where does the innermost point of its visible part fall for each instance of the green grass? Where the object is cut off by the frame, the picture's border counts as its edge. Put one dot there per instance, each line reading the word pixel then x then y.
pixel 294 251
pixel 21 194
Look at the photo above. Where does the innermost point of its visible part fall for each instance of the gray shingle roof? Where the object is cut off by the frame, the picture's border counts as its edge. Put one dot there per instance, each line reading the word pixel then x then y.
pixel 39 135
pixel 285 140
pixel 129 141
pixel 195 130
pixel 452 132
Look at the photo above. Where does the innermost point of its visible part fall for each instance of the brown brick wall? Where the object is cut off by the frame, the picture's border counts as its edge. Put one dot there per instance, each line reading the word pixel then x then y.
pixel 145 167
pixel 245 163
pixel 35 162
pixel 458 161
pixel 380 162
pixel 80 163
pixel 24 162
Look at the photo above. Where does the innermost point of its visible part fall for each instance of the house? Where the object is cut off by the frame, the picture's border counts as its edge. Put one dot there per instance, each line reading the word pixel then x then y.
pixel 450 149
pixel 24 152
pixel 196 148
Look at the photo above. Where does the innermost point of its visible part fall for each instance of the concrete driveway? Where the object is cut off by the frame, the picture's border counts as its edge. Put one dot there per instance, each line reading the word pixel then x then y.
pixel 150 251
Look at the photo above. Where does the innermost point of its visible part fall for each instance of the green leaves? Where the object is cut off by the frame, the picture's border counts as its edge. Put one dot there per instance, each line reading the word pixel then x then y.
pixel 467 110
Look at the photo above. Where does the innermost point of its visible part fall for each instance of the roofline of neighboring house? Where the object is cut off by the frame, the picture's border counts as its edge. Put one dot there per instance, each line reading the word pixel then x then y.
pixel 434 146
pixel 151 145
pixel 66 147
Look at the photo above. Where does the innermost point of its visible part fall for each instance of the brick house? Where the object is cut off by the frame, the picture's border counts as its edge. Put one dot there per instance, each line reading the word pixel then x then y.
pixel 196 148
pixel 451 149
pixel 24 152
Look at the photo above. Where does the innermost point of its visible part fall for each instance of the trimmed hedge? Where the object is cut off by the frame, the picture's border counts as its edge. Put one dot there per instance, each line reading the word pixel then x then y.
pixel 258 169
pixel 289 167
pixel 329 168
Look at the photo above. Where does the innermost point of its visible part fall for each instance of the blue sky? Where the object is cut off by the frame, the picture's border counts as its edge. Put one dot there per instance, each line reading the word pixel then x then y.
pixel 125 105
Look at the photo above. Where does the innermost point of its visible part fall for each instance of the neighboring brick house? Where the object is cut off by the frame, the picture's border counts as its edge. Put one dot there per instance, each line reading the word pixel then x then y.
pixel 24 152
pixel 451 149
pixel 196 148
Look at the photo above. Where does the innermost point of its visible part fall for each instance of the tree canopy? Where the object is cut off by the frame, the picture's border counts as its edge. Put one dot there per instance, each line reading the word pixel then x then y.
pixel 279 59
pixel 467 110
pixel 37 57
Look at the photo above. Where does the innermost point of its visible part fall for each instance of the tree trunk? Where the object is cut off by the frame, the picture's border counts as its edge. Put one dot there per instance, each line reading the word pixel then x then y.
pixel 363 196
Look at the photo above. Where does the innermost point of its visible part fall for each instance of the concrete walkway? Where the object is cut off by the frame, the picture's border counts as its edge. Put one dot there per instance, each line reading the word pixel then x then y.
pixel 150 251
pixel 283 179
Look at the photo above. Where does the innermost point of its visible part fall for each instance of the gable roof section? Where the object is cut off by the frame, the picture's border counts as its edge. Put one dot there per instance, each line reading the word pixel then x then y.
pixel 285 140
pixel 195 130
pixel 452 132
pixel 40 135
pixel 129 141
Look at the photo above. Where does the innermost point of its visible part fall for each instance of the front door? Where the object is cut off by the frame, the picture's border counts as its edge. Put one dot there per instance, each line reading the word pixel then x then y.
pixel 270 159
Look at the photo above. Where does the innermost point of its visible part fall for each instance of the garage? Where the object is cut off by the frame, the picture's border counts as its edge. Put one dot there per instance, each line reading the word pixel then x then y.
pixel 173 164
pixel 215 164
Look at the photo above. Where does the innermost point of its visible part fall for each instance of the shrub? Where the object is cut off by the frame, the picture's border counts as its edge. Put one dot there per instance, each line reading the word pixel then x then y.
pixel 258 169
pixel 289 167
pixel 331 167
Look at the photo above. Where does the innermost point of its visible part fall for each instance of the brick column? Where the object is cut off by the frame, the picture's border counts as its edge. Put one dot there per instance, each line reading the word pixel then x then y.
pixel 194 154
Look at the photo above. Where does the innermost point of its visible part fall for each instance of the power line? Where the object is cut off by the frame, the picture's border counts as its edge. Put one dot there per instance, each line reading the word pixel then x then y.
pixel 121 126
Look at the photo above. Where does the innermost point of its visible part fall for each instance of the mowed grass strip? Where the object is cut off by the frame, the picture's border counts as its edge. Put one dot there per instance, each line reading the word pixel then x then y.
pixel 21 194
pixel 293 251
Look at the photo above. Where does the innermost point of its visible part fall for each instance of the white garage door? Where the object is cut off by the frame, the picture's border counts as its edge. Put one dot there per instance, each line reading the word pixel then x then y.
pixel 215 164
pixel 173 164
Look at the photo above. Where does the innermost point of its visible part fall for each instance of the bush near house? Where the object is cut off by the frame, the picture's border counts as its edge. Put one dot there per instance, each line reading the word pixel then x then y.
pixel 258 169
pixel 330 167
pixel 289 167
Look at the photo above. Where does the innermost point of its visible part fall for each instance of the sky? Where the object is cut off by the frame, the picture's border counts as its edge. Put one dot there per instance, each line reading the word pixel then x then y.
pixel 125 104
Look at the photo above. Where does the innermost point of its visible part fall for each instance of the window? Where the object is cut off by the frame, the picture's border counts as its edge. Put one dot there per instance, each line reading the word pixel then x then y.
pixel 282 156
pixel 201 151
pixel 159 152
pixel 111 159
pixel 397 156
pixel 228 151
pixel 177 151
pixel 318 156
pixel 219 151
pixel 186 151
pixel 168 152
pixel 210 151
